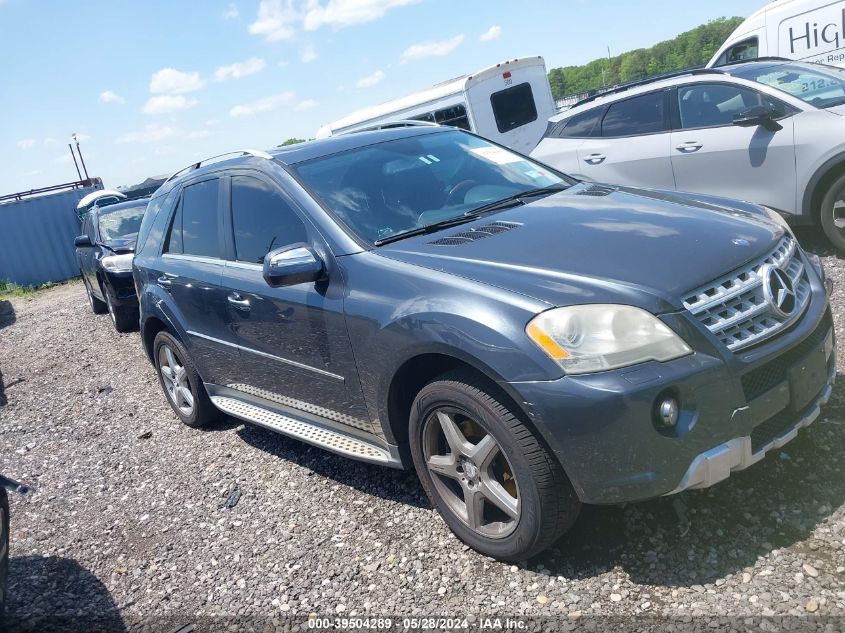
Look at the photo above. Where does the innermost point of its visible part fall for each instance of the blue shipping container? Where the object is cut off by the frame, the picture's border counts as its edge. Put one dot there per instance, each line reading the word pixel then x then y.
pixel 36 237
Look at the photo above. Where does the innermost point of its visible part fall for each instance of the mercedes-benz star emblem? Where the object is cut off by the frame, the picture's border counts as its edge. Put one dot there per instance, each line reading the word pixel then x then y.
pixel 778 290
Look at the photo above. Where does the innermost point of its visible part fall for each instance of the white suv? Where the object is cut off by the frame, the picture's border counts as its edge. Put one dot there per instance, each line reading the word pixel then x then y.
pixel 769 131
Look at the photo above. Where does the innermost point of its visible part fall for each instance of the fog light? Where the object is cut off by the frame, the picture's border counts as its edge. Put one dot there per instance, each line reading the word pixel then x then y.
pixel 828 286
pixel 667 412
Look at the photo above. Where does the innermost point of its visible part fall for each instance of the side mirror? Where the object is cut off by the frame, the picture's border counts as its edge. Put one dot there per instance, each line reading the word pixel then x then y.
pixel 292 265
pixel 757 115
pixel 83 241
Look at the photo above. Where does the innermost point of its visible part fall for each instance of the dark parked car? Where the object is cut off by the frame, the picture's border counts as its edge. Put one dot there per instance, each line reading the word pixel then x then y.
pixel 527 342
pixel 105 250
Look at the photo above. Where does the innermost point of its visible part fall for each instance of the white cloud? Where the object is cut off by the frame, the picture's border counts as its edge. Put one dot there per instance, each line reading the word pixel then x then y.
pixel 370 80
pixel 275 21
pixel 308 55
pixel 340 13
pixel 212 122
pixel 26 143
pixel 432 49
pixel 266 104
pixel 307 104
pixel 196 134
pixel 240 69
pixel 162 104
pixel 491 34
pixel 49 141
pixel 172 81
pixel 231 12
pixel 110 97
pixel 284 63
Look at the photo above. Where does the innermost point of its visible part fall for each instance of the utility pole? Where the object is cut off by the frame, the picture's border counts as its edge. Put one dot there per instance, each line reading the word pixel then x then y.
pixel 82 160
pixel 75 164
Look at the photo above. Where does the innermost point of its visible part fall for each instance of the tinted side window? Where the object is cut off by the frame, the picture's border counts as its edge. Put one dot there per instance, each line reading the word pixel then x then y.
pixel 199 219
pixel 262 220
pixel 513 107
pixel 582 125
pixel 637 115
pixel 174 237
pixel 456 116
pixel 713 105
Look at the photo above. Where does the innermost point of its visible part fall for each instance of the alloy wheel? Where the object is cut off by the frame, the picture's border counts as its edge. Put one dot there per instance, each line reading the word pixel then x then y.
pixel 175 378
pixel 838 211
pixel 471 473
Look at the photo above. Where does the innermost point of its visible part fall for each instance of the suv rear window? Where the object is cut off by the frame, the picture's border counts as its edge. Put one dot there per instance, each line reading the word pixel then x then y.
pixel 513 107
pixel 638 115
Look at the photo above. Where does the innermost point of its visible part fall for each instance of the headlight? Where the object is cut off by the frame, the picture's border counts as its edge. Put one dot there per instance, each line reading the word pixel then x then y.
pixel 591 338
pixel 118 263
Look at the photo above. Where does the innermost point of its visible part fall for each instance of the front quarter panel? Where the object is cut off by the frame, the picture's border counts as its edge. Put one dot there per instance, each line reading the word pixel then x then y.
pixel 396 311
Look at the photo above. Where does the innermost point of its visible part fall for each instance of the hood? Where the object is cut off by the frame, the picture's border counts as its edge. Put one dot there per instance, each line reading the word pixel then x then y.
pixel 119 246
pixel 598 244
pixel 840 109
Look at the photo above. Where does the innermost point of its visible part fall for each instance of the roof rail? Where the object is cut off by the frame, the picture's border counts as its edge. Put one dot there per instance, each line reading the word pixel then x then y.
pixel 240 152
pixel 650 80
pixel 392 124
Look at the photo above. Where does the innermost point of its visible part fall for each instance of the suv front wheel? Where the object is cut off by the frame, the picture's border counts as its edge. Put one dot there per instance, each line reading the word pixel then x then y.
pixel 489 476
pixel 833 213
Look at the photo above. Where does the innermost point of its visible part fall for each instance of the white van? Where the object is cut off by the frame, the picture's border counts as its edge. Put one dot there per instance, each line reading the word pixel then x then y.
pixel 806 30
pixel 509 103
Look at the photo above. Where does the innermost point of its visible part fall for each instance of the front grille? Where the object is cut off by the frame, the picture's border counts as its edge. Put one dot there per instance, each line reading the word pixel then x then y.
pixel 758 381
pixel 734 307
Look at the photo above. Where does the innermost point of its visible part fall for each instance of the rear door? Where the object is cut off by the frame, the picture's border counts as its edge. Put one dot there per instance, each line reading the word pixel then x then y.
pixel 193 264
pixel 633 146
pixel 294 345
pixel 559 147
pixel 711 155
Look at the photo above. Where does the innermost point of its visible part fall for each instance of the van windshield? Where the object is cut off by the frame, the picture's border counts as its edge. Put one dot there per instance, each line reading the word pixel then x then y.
pixel 821 86
pixel 410 183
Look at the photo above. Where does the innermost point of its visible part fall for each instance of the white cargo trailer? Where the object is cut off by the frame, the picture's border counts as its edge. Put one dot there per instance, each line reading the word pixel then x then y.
pixel 509 103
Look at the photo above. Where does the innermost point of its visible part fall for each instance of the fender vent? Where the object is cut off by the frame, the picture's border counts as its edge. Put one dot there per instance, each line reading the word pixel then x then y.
pixel 464 237
pixel 597 190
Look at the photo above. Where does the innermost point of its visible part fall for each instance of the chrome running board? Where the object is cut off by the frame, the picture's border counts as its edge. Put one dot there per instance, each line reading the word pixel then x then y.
pixel 309 432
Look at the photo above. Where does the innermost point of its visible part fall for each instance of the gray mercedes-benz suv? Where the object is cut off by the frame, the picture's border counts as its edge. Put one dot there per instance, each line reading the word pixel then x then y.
pixel 421 296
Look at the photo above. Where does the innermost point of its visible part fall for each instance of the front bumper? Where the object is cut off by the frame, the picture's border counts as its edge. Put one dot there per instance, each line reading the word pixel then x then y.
pixel 121 287
pixel 734 409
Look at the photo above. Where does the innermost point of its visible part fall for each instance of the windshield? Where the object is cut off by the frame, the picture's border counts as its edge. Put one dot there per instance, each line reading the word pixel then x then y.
pixel 120 224
pixel 821 86
pixel 405 184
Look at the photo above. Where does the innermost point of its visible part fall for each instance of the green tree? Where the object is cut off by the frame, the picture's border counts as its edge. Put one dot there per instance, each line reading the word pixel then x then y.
pixel 690 49
pixel 292 141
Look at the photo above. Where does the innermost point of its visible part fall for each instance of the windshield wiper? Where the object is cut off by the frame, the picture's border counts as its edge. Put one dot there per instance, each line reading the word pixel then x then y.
pixel 428 228
pixel 513 200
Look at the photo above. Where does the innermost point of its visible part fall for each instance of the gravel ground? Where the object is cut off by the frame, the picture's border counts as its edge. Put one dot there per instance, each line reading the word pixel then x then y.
pixel 128 524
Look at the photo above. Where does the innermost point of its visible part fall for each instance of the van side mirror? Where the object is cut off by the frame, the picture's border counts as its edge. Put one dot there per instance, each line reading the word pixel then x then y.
pixel 292 265
pixel 83 241
pixel 757 115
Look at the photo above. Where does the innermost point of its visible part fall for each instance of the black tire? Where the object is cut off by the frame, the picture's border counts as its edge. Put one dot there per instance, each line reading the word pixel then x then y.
pixel 833 210
pixel 202 411
pixel 123 319
pixel 4 549
pixel 547 503
pixel 97 306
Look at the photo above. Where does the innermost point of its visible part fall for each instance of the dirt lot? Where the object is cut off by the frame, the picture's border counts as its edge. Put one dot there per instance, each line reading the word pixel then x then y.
pixel 127 525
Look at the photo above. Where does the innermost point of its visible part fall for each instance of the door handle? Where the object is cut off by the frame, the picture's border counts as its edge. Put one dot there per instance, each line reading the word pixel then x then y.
pixel 165 281
pixel 595 159
pixel 689 147
pixel 238 302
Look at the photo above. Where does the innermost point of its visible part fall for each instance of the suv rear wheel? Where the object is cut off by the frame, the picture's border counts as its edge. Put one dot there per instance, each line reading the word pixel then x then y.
pixel 491 479
pixel 181 382
pixel 833 213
